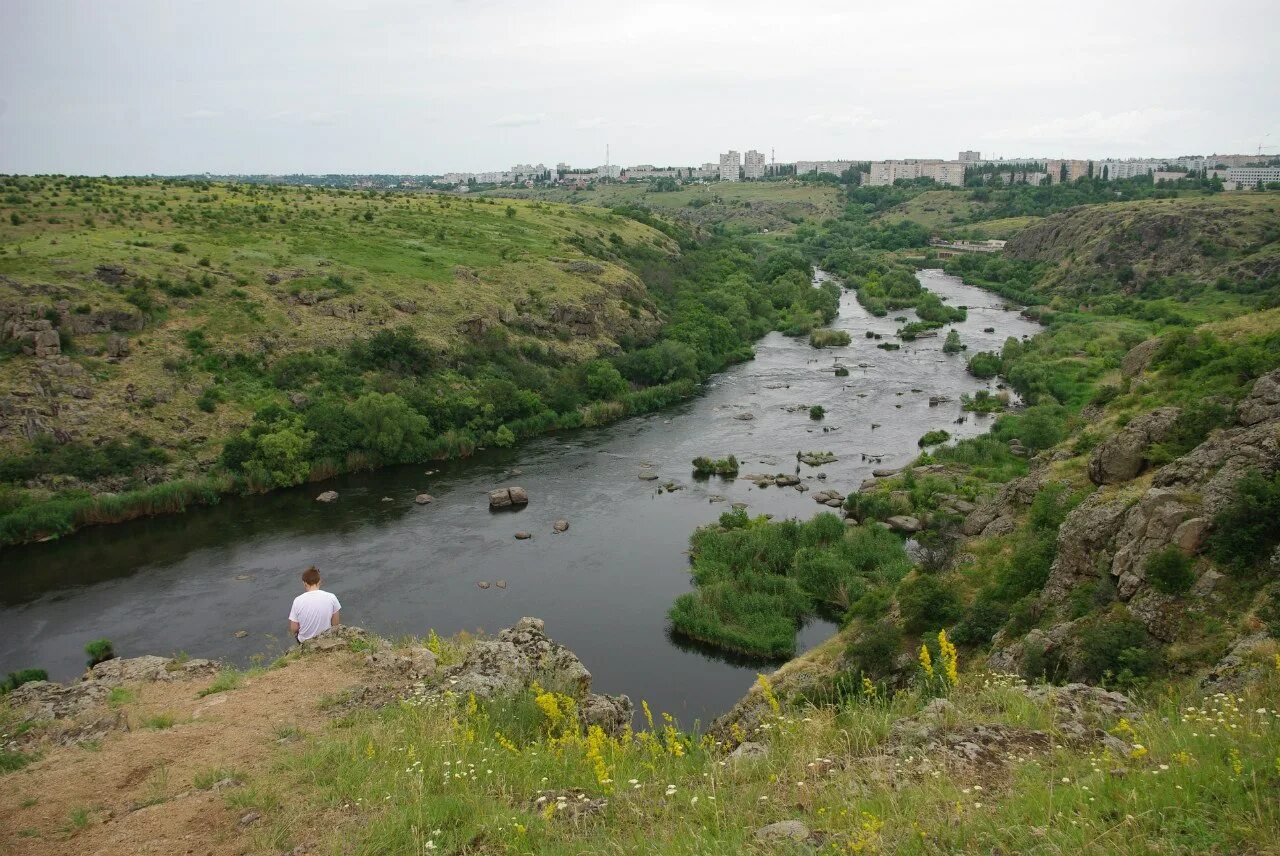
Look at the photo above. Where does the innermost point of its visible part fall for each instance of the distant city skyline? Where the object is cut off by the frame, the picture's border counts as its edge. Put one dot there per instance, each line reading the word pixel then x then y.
pixel 393 86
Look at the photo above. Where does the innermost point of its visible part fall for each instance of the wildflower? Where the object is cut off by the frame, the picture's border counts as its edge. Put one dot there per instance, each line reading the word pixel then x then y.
pixel 926 662
pixel 766 689
pixel 868 688
pixel 950 658
pixel 1237 766
pixel 648 714
pixel 1138 752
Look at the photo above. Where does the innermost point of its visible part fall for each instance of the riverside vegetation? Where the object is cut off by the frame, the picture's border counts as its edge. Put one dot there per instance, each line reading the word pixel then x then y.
pixel 167 342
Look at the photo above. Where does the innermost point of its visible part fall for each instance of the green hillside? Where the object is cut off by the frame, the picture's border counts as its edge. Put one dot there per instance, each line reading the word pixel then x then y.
pixel 162 342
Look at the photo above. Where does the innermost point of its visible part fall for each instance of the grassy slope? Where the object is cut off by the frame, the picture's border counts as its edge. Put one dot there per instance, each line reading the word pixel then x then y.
pixel 468 777
pixel 745 206
pixel 455 259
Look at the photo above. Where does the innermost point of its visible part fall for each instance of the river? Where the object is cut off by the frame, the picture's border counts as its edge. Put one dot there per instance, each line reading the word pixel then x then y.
pixel 189 582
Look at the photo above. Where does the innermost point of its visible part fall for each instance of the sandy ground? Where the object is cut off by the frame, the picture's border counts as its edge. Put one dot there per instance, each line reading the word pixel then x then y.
pixel 137 787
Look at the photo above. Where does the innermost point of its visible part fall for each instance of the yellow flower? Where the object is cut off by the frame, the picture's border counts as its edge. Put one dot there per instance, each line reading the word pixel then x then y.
pixel 1138 752
pixel 868 688
pixel 433 643
pixel 926 662
pixel 950 658
pixel 1122 728
pixel 1237 766
pixel 766 689
pixel 369 750
pixel 648 714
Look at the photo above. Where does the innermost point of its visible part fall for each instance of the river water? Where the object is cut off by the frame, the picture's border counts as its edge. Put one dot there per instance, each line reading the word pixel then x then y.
pixel 189 582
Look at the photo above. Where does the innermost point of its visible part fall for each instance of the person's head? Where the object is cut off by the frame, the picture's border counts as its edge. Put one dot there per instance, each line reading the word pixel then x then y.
pixel 311 578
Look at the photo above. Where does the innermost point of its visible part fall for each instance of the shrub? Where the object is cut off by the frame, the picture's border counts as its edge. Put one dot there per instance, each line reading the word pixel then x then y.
pixel 984 364
pixel 1170 571
pixel 933 438
pixel 952 344
pixel 1247 530
pixel 604 381
pixel 817 411
pixel 180 247
pixel 875 648
pixel 99 651
pixel 980 623
pixel 23 676
pixel 722 467
pixel 927 603
pixel 1116 647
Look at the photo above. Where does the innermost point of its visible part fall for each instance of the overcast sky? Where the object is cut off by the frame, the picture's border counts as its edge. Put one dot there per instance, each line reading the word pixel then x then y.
pixel 172 86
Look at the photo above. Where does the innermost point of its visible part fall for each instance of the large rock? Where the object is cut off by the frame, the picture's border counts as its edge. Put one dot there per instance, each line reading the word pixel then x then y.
pixel 611 713
pixel 1086 532
pixel 903 523
pixel 1139 357
pixel 508 664
pixel 340 638
pixel 328 496
pixel 506 497
pixel 124 670
pixel 1122 456
pixel 783 831
pixel 1263 402
pixel 45 700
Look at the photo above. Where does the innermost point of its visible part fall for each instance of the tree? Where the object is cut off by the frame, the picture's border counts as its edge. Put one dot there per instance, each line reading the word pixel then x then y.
pixel 604 381
pixel 389 427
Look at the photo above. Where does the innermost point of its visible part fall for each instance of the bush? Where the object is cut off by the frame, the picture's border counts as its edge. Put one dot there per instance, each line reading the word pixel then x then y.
pixel 722 467
pixel 984 364
pixel 817 411
pixel 980 623
pixel 1170 571
pixel 952 344
pixel 829 338
pixel 927 603
pixel 875 648
pixel 1247 530
pixel 23 676
pixel 1115 647
pixel 933 438
pixel 99 651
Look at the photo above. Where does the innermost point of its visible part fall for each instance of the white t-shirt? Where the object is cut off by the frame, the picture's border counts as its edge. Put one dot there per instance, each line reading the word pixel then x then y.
pixel 312 610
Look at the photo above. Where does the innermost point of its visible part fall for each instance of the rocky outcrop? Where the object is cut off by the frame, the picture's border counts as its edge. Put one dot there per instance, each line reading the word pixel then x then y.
pixel 998 515
pixel 524 653
pixel 1263 403
pixel 1122 456
pixel 1139 357
pixel 1085 534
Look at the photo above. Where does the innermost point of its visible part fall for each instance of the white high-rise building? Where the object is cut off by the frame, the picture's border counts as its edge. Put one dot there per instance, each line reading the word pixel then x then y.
pixel 970 157
pixel 753 165
pixel 730 163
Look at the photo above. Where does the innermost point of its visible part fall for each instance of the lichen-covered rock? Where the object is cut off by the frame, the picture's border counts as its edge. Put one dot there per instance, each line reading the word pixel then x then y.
pixel 509 663
pixel 1122 456
pixel 1084 536
pixel 339 639
pixel 45 700
pixel 612 713
pixel 1263 402
pixel 1139 357
pixel 783 831
pixel 123 670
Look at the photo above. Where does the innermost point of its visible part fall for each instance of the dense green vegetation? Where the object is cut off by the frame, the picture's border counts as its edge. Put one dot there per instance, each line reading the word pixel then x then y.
pixel 666 310
pixel 758 580
pixel 716 467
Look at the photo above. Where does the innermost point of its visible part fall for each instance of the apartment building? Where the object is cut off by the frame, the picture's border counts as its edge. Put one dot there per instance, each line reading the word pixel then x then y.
pixel 970 157
pixel 1074 169
pixel 830 167
pixel 944 172
pixel 1117 169
pixel 1249 176
pixel 730 165
pixel 753 165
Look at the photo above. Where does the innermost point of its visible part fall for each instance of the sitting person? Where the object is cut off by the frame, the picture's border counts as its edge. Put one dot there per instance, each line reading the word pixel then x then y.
pixel 315 610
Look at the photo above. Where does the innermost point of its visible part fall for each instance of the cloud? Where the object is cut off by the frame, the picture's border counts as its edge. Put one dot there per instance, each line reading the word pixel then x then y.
pixel 1130 126
pixel 516 120
pixel 590 122
pixel 202 114
pixel 856 119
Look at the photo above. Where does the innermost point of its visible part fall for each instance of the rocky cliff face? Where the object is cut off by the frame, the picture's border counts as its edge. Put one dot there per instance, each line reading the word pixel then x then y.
pixel 1118 528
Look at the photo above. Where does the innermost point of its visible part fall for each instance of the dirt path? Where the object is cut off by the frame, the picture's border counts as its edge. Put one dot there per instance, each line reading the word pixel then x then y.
pixel 136 792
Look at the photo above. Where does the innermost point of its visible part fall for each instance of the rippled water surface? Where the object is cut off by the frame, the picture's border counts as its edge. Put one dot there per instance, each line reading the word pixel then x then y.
pixel 189 582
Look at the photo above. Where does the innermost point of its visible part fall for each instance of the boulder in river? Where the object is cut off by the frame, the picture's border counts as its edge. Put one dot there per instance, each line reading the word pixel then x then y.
pixel 523 536
pixel 327 496
pixel 745 417
pixel 560 526
pixel 506 497
pixel 424 499
pixel 648 475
